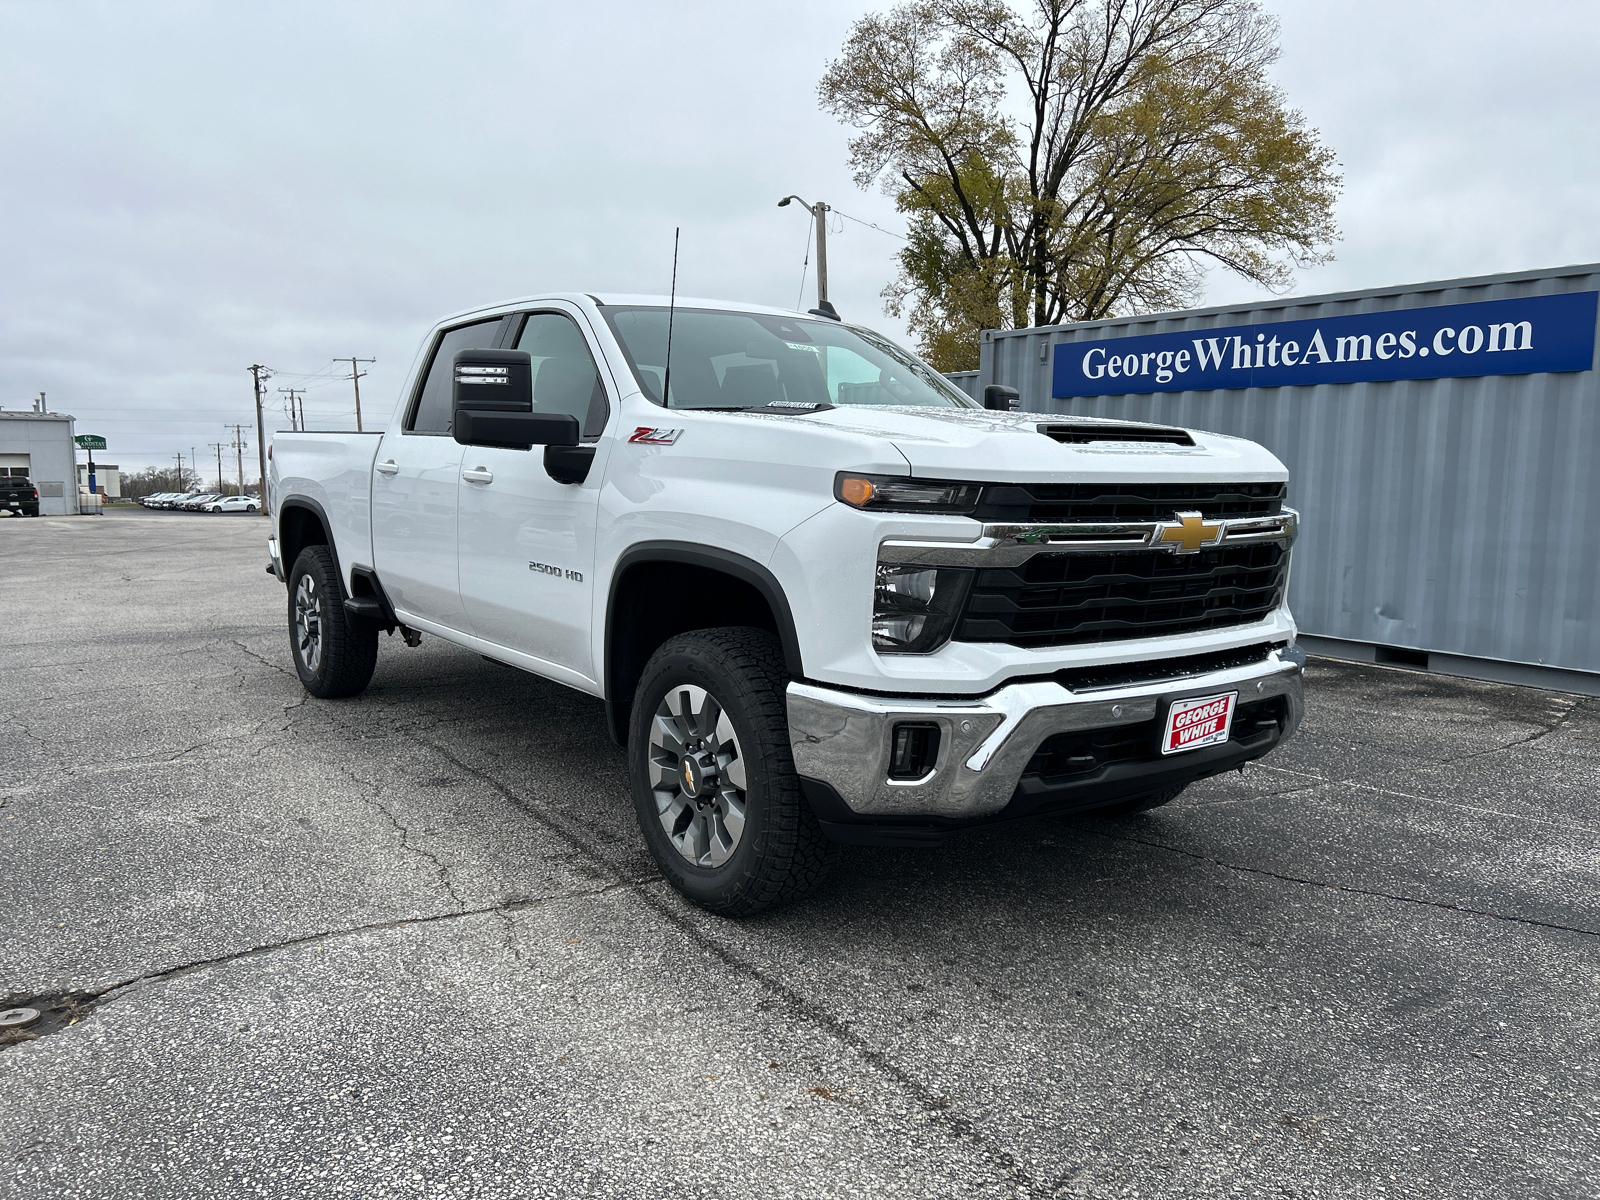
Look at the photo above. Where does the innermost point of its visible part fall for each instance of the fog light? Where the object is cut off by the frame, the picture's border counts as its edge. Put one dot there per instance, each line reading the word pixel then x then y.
pixel 913 751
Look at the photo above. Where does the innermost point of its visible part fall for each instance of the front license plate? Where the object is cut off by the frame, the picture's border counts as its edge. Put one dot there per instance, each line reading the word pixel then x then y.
pixel 1203 721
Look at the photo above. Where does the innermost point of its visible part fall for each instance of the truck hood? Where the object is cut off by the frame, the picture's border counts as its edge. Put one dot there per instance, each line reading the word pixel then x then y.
pixel 951 443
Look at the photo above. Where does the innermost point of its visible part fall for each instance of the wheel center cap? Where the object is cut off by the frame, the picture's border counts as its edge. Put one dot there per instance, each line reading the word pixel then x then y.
pixel 696 777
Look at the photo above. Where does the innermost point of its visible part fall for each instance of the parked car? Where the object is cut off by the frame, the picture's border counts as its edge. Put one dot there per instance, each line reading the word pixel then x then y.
pixel 246 504
pixel 18 496
pixel 196 503
pixel 153 499
pixel 825 596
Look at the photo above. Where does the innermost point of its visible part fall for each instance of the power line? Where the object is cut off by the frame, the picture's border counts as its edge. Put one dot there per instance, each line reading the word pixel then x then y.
pixel 805 265
pixel 870 225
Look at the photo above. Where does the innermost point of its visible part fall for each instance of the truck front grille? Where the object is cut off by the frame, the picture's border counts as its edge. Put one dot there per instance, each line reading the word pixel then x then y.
pixel 1068 503
pixel 1071 599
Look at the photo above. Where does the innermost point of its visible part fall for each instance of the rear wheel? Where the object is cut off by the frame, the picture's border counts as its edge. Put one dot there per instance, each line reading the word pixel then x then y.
pixel 334 654
pixel 1138 804
pixel 713 778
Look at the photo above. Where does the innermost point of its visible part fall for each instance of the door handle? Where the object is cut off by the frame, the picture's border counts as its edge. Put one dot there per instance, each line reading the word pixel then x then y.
pixel 387 467
pixel 478 475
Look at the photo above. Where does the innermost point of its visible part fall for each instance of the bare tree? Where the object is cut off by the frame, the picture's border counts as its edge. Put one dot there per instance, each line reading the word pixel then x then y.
pixel 1080 160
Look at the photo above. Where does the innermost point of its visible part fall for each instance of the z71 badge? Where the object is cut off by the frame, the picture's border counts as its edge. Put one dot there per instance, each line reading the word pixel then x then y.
pixel 646 436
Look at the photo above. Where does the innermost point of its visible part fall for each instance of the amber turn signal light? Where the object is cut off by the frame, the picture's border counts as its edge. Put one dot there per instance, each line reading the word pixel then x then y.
pixel 855 490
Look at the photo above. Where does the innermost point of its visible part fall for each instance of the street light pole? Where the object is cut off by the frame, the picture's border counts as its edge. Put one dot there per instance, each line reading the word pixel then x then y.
pixel 819 212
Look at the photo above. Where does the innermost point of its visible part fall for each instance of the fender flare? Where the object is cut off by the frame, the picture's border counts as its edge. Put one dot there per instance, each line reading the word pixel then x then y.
pixel 744 569
pixel 316 510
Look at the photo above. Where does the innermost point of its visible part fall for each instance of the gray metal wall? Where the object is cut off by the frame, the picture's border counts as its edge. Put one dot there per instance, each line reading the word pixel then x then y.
pixel 967 381
pixel 1453 515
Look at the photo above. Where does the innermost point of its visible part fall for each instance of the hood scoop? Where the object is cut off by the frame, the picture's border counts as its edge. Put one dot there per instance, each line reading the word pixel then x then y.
pixel 1085 433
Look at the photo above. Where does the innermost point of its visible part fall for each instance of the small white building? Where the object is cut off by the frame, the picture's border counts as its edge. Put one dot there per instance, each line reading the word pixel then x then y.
pixel 107 479
pixel 39 444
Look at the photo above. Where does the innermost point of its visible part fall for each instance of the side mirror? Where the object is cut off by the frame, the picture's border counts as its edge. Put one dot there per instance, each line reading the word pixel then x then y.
pixel 1001 398
pixel 491 403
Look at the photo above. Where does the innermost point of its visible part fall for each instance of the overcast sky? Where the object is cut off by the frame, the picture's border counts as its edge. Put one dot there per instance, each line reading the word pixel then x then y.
pixel 188 188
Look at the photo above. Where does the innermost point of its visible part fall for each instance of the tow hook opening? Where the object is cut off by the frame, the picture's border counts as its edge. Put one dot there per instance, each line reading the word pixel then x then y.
pixel 914 750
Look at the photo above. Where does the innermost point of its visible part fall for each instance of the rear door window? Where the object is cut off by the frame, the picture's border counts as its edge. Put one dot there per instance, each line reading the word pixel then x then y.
pixel 431 413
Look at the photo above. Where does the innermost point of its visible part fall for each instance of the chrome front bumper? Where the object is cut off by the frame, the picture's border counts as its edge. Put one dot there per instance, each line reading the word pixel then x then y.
pixel 843 739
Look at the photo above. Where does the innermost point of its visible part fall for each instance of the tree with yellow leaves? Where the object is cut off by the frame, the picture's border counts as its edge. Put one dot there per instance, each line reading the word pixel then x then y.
pixel 1082 159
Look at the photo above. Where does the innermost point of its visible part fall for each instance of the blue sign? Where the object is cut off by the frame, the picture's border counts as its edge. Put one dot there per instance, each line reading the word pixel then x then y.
pixel 1493 337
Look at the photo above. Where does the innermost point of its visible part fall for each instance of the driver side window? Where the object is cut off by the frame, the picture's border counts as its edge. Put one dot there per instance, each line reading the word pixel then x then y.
pixel 564 376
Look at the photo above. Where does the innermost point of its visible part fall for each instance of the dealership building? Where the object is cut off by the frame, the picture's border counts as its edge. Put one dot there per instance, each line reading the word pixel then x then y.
pixel 39 446
pixel 1442 442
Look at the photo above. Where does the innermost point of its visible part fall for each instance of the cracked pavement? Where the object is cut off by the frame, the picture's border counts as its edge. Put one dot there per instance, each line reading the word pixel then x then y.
pixel 410 944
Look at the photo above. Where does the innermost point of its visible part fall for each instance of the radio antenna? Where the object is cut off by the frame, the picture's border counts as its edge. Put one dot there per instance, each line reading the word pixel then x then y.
pixel 672 304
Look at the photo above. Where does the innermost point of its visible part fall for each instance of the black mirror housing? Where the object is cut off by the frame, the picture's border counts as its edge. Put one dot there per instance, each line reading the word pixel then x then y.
pixel 513 430
pixel 1001 398
pixel 491 402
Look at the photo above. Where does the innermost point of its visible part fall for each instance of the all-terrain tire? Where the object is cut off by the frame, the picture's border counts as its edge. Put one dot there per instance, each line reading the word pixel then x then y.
pixel 1138 804
pixel 334 654
pixel 781 853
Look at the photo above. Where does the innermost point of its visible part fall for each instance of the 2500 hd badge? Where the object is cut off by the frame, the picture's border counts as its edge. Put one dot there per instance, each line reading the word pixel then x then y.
pixel 558 572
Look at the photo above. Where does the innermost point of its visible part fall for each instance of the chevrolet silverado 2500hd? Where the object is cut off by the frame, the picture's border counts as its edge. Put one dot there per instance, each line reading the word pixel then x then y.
pixel 824 596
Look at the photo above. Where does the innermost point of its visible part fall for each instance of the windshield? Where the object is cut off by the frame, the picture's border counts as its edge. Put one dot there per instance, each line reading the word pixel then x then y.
pixel 737 360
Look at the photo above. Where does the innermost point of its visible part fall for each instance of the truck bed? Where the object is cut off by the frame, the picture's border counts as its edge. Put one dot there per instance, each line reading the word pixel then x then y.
pixel 333 470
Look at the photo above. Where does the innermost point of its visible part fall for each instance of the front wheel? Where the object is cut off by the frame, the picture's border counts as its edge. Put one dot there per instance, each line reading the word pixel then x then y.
pixel 713 778
pixel 334 654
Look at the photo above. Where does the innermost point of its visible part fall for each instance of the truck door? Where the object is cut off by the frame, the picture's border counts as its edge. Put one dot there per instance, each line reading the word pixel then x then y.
pixel 414 481
pixel 527 542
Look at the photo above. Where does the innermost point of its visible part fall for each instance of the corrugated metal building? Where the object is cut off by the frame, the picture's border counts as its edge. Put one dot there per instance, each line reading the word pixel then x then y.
pixel 40 446
pixel 1444 457
pixel 967 381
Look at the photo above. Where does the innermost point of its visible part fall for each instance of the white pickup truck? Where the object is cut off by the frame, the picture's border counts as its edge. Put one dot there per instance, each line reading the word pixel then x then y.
pixel 825 596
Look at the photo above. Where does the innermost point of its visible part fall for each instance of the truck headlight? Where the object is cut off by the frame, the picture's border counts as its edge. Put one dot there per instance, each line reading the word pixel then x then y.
pixel 888 493
pixel 914 608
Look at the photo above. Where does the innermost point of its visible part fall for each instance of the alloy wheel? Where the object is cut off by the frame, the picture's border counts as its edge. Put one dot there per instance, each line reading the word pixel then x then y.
pixel 308 622
pixel 697 775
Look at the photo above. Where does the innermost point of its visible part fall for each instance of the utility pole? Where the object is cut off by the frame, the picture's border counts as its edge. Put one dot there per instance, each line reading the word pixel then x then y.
pixel 355 377
pixel 238 447
pixel 820 212
pixel 261 430
pixel 179 457
pixel 217 446
pixel 294 423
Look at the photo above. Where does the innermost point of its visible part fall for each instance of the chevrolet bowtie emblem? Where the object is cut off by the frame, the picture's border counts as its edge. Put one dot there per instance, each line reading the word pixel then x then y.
pixel 1188 533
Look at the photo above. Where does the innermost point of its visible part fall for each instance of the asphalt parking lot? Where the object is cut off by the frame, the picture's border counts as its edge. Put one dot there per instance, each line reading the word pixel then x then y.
pixel 410 944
